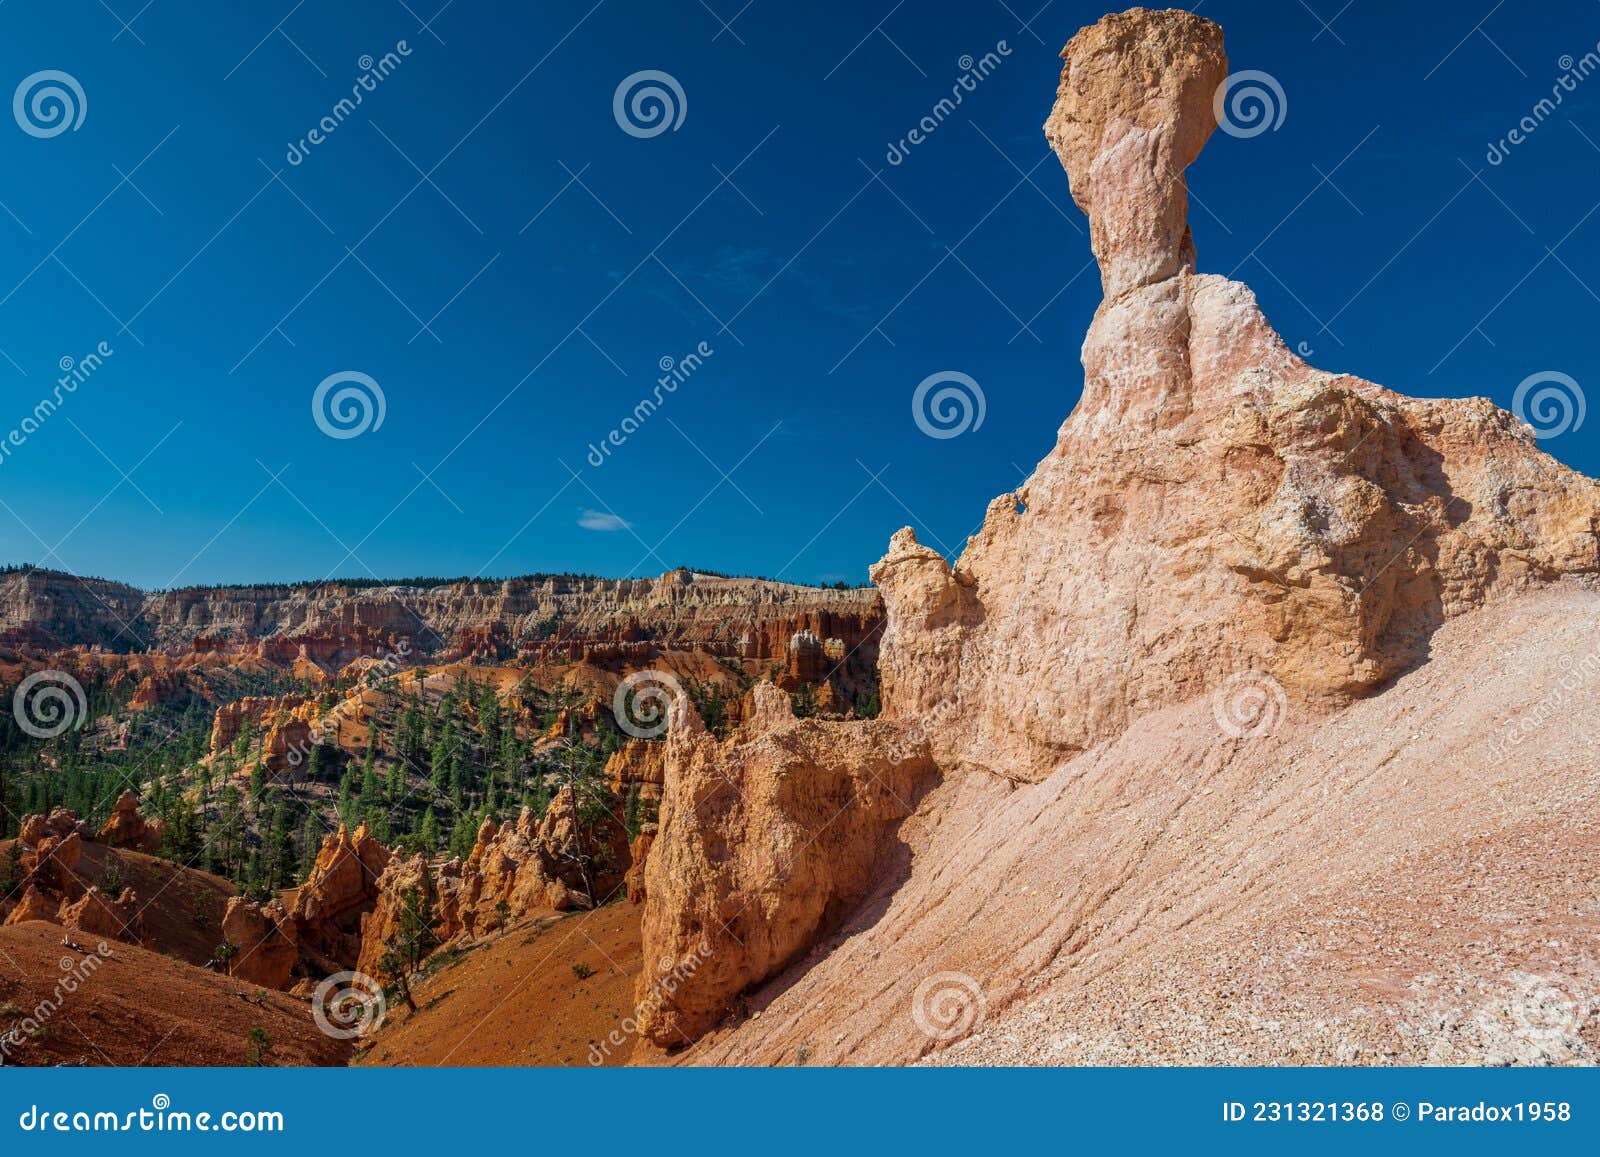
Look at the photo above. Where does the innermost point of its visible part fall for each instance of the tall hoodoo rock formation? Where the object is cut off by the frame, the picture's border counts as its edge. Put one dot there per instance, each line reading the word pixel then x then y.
pixel 1213 507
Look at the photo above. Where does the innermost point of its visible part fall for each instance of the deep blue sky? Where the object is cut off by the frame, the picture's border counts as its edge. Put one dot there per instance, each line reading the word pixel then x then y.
pixel 1403 269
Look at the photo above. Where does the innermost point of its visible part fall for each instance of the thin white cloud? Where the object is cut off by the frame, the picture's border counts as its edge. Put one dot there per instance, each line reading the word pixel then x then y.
pixel 600 520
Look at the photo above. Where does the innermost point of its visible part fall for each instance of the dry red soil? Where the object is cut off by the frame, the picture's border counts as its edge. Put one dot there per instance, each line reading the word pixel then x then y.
pixel 131 1007
pixel 516 999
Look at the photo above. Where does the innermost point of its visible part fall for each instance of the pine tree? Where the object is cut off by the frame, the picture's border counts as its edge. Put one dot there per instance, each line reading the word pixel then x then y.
pixel 413 940
pixel 633 811
pixel 310 842
pixel 181 834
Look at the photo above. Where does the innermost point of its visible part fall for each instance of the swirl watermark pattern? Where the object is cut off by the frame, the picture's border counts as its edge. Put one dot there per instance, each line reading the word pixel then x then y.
pixel 949 1005
pixel 49 703
pixel 948 404
pixel 1249 705
pixel 347 1004
pixel 1249 103
pixel 1550 402
pixel 48 103
pixel 649 103
pixel 356 406
pixel 644 703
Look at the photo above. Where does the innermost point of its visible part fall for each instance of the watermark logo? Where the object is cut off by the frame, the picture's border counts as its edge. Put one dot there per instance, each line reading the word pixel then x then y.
pixel 74 972
pixel 1573 73
pixel 644 703
pixel 649 103
pixel 1249 705
pixel 373 73
pixel 948 404
pixel 49 703
pixel 1249 103
pixel 1550 402
pixel 949 1005
pixel 973 73
pixel 348 404
pixel 674 372
pixel 347 1004
pixel 48 103
pixel 74 372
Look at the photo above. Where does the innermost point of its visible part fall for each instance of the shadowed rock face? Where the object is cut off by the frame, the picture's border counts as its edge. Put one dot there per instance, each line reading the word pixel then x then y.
pixel 1213 508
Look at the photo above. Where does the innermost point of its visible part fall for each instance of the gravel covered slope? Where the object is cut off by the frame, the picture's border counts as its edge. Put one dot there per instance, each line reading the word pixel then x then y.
pixel 1389 884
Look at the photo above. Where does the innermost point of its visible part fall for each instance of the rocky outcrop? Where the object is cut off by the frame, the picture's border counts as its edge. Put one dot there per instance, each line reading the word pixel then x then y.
pixel 266 954
pixel 48 851
pixel 638 763
pixel 1214 509
pixel 160 689
pixel 1213 506
pixel 50 854
pixel 326 910
pixel 58 825
pixel 767 840
pixel 639 853
pixel 35 905
pixel 313 930
pixel 406 875
pixel 531 864
pixel 261 712
pixel 96 914
pixel 127 828
pixel 286 745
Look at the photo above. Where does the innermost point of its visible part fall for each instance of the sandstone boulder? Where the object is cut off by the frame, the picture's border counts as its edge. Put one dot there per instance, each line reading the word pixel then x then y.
pixel 266 954
pixel 126 828
pixel 96 914
pixel 35 905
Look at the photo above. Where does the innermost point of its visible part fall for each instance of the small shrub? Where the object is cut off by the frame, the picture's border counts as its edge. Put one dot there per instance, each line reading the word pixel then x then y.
pixel 111 880
pixel 582 971
pixel 256 1045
